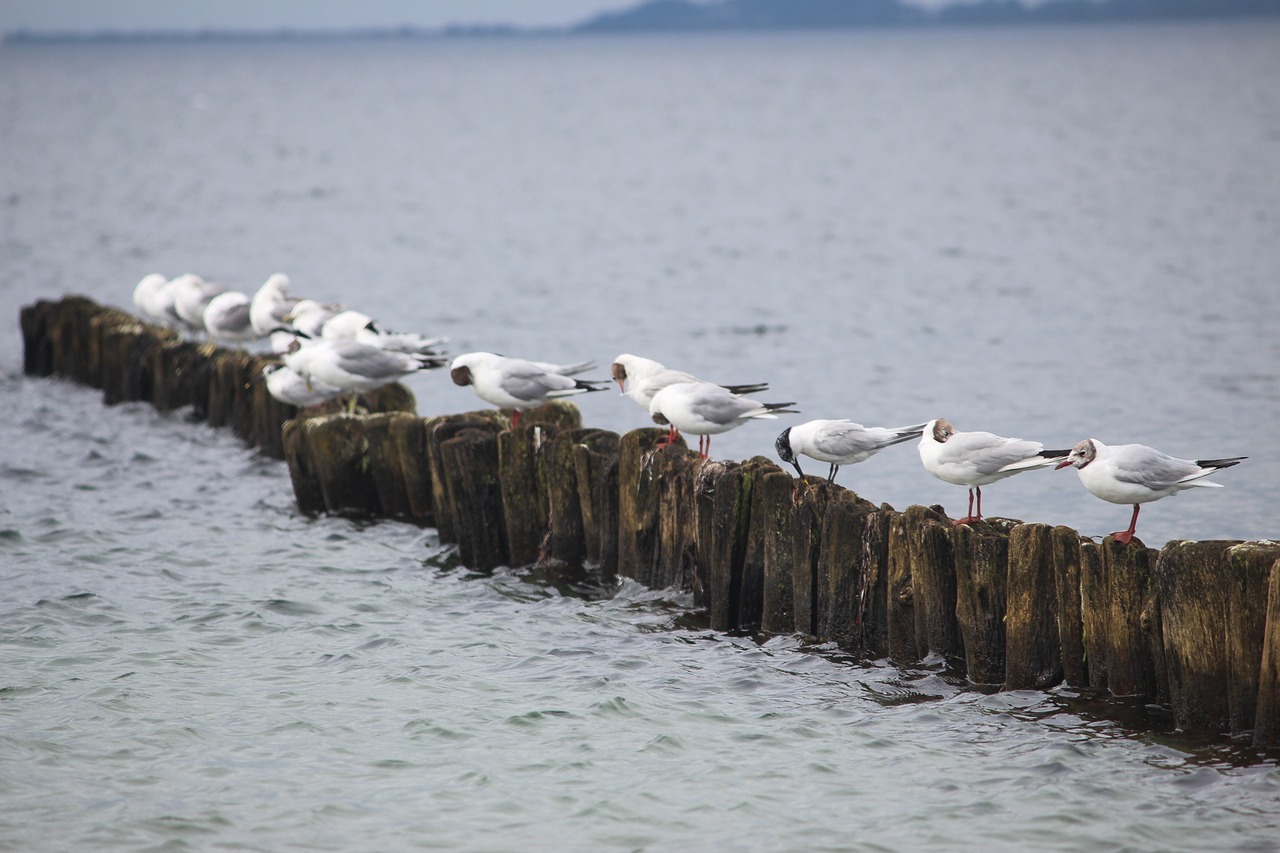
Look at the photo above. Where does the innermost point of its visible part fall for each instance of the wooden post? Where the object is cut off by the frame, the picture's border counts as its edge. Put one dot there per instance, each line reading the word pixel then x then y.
pixel 438 431
pixel 638 489
pixel 1033 650
pixel 123 353
pixel 1095 612
pixel 808 518
pixel 754 519
pixel 922 565
pixel 559 482
pixel 842 569
pixel 1249 567
pixel 775 491
pixel 386 468
pixel 721 529
pixel 1266 727
pixel 37 345
pixel 409 433
pixel 1131 621
pixel 331 455
pixel 595 459
pixel 523 510
pixel 469 465
pixel 981 560
pixel 1065 544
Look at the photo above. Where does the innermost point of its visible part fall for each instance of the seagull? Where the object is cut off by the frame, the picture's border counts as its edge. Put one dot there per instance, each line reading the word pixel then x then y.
pixel 1136 474
pixel 517 385
pixel 293 389
pixel 640 378
pixel 191 295
pixel 309 316
pixel 352 366
pixel 975 459
pixel 144 295
pixel 228 318
pixel 706 409
pixel 840 442
pixel 271 304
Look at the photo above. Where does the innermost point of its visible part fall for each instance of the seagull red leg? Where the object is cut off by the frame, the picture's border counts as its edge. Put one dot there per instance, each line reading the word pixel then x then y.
pixel 1124 537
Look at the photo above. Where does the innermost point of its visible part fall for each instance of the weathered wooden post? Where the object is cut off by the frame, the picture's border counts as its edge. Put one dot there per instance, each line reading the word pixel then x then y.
pixel 37 345
pixel 524 513
pixel 559 482
pixel 807 523
pixel 775 491
pixel 719 536
pixel 750 612
pixel 842 569
pixel 922 600
pixel 595 460
pixel 1212 598
pixel 123 352
pixel 1132 629
pixel 1033 649
pixel 637 503
pixel 1095 612
pixel 982 572
pixel 1266 727
pixel 439 430
pixel 469 467
pixel 69 338
pixel 1067 561
pixel 386 465
pixel 330 454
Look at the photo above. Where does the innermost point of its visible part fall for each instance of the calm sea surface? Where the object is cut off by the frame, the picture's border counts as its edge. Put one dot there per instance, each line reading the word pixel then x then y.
pixel 1048 233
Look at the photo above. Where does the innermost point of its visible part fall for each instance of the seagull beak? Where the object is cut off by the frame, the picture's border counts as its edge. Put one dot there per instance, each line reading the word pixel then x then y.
pixel 1063 464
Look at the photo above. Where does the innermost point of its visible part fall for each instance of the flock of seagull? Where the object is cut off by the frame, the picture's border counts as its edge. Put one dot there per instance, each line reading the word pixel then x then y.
pixel 327 351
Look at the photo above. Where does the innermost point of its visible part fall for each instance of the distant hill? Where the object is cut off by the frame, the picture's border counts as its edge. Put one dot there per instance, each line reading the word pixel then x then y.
pixel 677 15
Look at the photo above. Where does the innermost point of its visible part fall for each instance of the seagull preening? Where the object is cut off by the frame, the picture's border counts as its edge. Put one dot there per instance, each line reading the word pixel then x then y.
pixel 1137 474
pixel 839 442
pixel 352 366
pixel 289 387
pixel 975 459
pixel 516 385
pixel 640 378
pixel 706 409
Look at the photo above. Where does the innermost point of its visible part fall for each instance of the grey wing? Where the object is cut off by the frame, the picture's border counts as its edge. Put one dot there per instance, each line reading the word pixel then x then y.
pixel 1147 467
pixel 720 406
pixel 237 318
pixel 988 453
pixel 529 381
pixel 845 439
pixel 371 362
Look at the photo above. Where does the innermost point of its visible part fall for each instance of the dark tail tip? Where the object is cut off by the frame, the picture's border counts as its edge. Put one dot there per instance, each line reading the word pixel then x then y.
pixel 1054 454
pixel 1220 463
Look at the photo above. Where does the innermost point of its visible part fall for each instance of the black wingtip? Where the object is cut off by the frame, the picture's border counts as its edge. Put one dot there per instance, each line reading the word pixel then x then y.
pixel 1221 463
pixel 1054 454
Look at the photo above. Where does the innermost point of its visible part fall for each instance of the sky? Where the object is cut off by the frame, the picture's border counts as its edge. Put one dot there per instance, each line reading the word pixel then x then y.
pixel 128 15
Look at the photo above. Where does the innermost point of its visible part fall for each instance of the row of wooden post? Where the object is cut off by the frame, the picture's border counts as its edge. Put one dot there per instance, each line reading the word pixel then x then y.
pixel 1194 626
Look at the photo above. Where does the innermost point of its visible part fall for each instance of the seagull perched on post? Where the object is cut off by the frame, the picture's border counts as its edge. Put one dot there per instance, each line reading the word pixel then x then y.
pixel 975 459
pixel 839 442
pixel 1137 474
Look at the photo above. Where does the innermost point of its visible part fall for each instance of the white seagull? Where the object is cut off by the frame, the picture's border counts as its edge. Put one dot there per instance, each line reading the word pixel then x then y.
pixel 705 409
pixel 191 295
pixel 144 295
pixel 1136 474
pixel 975 459
pixel 228 318
pixel 839 442
pixel 517 385
pixel 293 389
pixel 352 366
pixel 271 304
pixel 640 378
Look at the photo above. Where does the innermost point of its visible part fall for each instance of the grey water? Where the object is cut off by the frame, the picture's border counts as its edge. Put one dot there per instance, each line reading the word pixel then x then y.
pixel 1051 233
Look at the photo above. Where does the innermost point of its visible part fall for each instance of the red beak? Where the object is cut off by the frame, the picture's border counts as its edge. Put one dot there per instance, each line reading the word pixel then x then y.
pixel 1063 464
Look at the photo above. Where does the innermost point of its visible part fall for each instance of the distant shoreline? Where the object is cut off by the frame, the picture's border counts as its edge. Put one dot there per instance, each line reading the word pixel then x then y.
pixel 682 16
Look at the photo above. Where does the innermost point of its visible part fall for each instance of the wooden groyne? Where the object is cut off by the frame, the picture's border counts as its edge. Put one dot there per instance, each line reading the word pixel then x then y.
pixel 1194 626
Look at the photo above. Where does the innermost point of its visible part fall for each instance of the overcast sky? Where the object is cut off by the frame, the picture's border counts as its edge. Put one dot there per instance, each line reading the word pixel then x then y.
pixel 89 15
